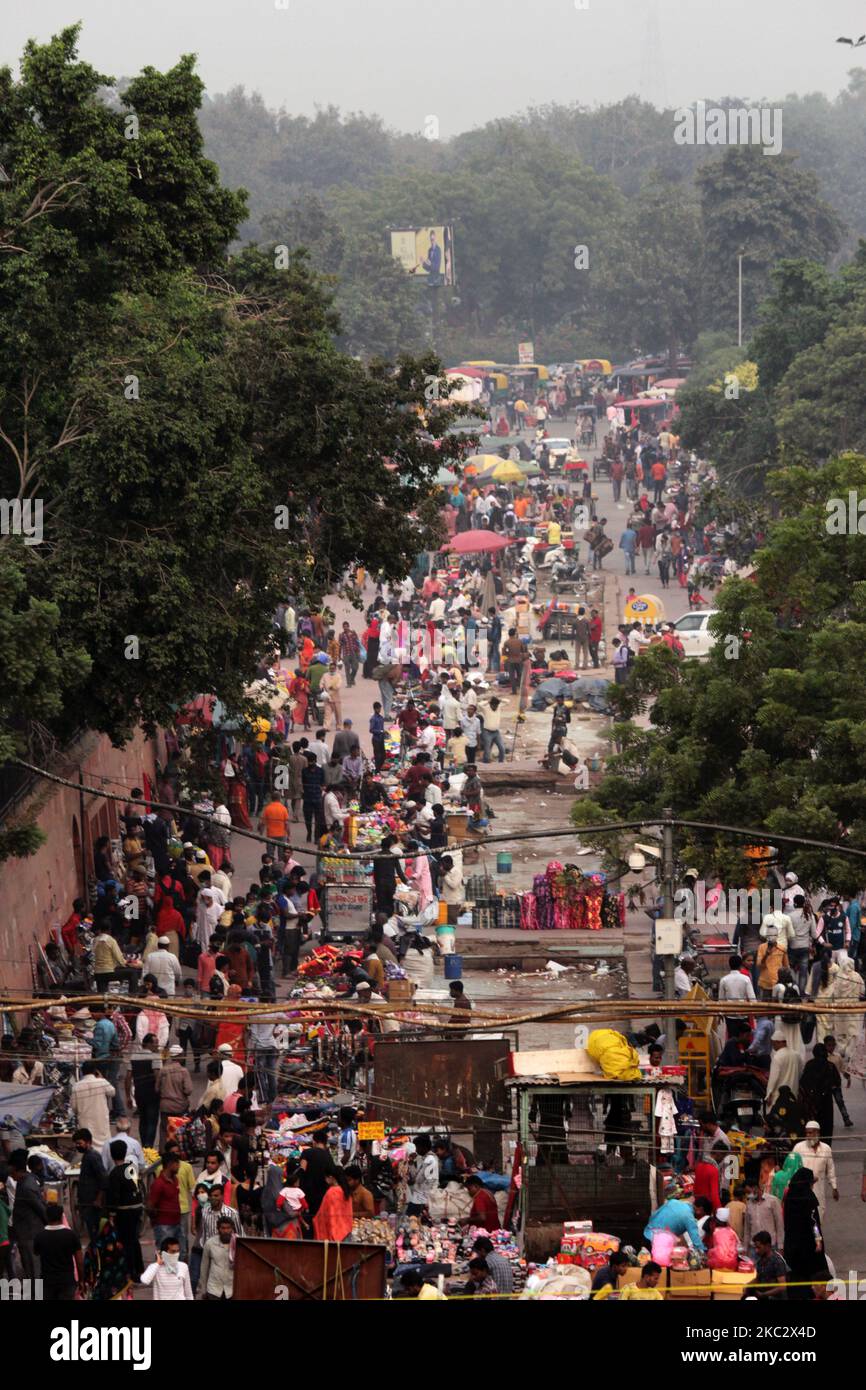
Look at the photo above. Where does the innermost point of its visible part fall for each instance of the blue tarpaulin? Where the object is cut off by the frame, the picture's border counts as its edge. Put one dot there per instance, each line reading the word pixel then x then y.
pixel 22 1107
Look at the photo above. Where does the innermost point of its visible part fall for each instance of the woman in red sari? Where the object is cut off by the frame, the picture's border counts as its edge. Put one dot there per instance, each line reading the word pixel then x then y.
pixel 333 1220
pixel 299 691
pixel 306 654
pixel 236 791
pixel 232 1033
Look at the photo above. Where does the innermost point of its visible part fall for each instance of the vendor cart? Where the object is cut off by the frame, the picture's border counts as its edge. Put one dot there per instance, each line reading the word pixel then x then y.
pixel 347 910
pixel 601 467
pixel 591 1147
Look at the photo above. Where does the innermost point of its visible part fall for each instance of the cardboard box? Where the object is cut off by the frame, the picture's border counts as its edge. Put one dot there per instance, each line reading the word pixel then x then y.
pixel 689 1283
pixel 400 991
pixel 730 1284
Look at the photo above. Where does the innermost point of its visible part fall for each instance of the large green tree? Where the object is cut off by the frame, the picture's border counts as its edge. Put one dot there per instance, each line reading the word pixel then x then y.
pixel 198 443
pixel 771 208
pixel 770 730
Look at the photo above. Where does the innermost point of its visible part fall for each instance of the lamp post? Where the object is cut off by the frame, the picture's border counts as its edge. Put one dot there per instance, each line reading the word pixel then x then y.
pixel 740 254
pixel 667 880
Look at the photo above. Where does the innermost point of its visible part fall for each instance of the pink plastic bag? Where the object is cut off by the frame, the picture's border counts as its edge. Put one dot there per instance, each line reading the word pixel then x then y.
pixel 662 1247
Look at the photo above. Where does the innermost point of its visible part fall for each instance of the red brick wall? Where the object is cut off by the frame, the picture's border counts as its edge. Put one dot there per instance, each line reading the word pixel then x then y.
pixel 36 893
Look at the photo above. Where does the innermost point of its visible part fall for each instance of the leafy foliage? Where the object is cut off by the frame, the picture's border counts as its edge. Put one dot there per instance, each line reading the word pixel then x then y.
pixel 774 738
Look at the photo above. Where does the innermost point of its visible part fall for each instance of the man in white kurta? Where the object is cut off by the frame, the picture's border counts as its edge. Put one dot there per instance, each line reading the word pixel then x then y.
pixel 819 1157
pixel 785 1069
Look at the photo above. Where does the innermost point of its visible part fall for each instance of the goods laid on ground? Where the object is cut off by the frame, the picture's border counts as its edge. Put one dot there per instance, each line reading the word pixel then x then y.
pixel 565 899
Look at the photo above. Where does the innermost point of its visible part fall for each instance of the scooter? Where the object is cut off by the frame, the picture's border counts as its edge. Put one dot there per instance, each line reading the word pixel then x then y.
pixel 566 575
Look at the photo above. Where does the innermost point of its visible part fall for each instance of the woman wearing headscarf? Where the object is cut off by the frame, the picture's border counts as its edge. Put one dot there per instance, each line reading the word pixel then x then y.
pixel 820 1078
pixel 219 835
pixel 370 639
pixel 106 1272
pixel 236 786
pixel 848 988
pixel 823 983
pixel 299 692
pixel 418 868
pixel 417 960
pixel 781 1179
pixel 306 654
pixel 208 911
pixel 274 1179
pixel 804 1241
pixel 170 923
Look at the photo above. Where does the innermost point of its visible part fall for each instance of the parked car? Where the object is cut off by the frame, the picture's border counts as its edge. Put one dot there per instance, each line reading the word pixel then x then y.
pixel 693 630
pixel 558 449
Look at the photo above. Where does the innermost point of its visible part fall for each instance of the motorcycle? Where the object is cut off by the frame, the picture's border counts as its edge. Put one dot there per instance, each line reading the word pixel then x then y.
pixel 566 575
pixel 522 582
pixel 740 1102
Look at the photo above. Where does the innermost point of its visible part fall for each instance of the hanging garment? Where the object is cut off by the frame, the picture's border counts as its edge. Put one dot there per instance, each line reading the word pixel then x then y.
pixel 665 1112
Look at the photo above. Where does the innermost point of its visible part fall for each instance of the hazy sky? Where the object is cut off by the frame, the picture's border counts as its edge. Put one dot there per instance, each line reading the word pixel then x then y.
pixel 464 61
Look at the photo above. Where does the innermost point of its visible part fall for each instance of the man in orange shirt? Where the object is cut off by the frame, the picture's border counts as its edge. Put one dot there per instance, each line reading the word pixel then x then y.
pixel 659 475
pixel 275 821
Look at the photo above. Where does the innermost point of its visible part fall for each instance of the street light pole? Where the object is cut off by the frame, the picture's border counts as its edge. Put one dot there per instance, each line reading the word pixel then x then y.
pixel 667 875
pixel 740 254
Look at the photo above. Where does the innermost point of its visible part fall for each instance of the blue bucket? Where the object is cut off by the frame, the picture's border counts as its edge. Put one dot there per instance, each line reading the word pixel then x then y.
pixel 503 863
pixel 453 967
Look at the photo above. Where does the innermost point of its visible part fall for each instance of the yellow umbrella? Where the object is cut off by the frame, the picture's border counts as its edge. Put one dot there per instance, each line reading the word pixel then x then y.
pixel 479 463
pixel 502 471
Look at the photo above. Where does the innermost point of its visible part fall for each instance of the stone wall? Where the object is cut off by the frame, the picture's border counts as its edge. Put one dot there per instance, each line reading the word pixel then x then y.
pixel 36 893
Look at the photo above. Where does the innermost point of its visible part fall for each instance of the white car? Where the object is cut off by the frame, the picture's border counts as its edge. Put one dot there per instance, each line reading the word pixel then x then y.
pixel 558 449
pixel 693 630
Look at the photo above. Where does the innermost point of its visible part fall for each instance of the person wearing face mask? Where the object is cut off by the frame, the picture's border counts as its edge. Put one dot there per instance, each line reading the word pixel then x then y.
pixel 217 1266
pixel 763 1214
pixel 169 1275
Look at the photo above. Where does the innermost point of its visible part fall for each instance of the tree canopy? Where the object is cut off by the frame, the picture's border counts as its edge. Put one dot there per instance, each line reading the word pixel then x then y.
pixel 198 442
pixel 770 730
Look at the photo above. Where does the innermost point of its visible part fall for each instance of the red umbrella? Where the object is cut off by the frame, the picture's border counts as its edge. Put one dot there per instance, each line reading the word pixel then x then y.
pixel 468 542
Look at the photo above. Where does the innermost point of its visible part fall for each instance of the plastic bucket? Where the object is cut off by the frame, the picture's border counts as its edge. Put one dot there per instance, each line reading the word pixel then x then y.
pixel 445 940
pixel 454 967
pixel 503 863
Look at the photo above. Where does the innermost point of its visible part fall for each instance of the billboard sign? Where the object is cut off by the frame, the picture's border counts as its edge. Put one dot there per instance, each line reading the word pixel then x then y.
pixel 425 253
pixel 526 354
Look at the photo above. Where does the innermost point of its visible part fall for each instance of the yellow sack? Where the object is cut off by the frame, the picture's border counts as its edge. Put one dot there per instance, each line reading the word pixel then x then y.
pixel 616 1057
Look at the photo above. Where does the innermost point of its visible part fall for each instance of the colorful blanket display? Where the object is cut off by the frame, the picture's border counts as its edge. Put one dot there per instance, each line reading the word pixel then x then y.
pixel 563 898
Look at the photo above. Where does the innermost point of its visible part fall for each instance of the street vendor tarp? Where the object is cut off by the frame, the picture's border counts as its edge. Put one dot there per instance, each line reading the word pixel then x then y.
pixel 23 1106
pixel 589 689
pixel 470 542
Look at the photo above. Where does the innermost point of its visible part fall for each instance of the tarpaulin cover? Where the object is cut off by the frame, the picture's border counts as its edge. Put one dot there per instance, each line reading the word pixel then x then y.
pixel 23 1106
pixel 588 688
pixel 616 1057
